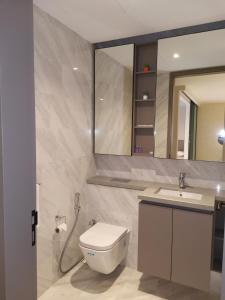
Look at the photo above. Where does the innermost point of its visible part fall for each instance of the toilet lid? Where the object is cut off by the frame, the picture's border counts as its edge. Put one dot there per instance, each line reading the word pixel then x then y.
pixel 102 236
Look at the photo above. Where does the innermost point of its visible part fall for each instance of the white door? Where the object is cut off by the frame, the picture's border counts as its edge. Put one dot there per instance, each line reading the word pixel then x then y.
pixel 17 152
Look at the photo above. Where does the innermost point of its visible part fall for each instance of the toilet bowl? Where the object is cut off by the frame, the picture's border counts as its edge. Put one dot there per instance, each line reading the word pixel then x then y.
pixel 104 247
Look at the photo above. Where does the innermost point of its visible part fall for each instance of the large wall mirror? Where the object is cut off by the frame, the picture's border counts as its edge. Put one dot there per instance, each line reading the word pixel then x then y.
pixel 113 100
pixel 190 97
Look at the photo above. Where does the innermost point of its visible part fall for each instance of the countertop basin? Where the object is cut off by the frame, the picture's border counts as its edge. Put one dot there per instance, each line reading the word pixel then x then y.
pixel 179 194
pixel 190 198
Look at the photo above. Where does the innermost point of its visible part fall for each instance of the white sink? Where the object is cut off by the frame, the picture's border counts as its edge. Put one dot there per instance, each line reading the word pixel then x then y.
pixel 179 194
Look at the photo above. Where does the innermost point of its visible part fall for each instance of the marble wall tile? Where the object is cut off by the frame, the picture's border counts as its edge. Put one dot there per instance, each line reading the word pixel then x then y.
pixel 64 143
pixel 118 207
pixel 198 173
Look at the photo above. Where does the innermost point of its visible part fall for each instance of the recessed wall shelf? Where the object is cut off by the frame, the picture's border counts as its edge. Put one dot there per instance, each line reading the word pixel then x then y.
pixel 145 101
pixel 145 73
pixel 143 154
pixel 144 126
pixel 144 114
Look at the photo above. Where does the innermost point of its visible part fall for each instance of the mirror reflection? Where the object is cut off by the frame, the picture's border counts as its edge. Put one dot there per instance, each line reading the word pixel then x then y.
pixel 190 106
pixel 113 100
pixel 200 117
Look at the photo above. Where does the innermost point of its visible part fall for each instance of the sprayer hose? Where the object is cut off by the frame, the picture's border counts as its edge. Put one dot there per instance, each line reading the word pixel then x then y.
pixel 66 246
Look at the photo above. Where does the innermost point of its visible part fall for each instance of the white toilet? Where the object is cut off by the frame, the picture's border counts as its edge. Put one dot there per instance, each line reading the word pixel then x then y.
pixel 104 246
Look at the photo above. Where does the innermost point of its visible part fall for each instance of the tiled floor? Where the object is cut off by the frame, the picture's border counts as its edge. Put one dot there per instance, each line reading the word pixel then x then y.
pixel 125 283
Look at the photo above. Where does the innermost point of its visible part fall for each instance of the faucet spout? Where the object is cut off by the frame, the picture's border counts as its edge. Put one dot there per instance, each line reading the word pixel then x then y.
pixel 182 180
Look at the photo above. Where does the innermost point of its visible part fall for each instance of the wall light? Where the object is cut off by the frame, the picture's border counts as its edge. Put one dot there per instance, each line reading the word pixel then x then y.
pixel 221 137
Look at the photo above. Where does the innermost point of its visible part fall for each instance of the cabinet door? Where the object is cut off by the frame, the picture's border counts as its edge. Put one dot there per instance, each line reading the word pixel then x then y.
pixel 155 240
pixel 192 246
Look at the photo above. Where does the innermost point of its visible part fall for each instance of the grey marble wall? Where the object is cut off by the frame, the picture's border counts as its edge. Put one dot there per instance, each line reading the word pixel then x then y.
pixel 115 206
pixel 198 173
pixel 63 130
pixel 113 115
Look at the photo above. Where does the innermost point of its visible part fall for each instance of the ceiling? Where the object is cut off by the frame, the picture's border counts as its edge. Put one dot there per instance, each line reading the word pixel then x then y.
pixel 199 50
pixel 204 88
pixel 101 20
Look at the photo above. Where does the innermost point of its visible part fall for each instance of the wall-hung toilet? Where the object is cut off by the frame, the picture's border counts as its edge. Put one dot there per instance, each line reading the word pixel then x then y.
pixel 104 246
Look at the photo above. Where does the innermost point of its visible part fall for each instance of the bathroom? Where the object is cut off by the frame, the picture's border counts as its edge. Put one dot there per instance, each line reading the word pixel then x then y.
pixel 109 139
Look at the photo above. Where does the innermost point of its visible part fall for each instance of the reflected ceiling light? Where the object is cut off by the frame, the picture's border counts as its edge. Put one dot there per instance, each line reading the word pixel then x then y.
pixel 97 131
pixel 218 188
pixel 176 55
pixel 221 137
pixel 75 68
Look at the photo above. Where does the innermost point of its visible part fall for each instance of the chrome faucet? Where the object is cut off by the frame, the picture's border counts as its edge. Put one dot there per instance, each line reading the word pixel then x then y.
pixel 181 180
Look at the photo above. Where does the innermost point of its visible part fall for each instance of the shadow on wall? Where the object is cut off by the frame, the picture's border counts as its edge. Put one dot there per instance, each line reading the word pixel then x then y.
pixel 92 282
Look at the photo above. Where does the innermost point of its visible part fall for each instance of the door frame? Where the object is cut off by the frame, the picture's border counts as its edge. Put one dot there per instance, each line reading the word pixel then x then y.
pixel 18 276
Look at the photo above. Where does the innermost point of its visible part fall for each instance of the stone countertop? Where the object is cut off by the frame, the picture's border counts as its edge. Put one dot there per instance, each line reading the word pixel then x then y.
pixel 119 182
pixel 207 203
pixel 148 192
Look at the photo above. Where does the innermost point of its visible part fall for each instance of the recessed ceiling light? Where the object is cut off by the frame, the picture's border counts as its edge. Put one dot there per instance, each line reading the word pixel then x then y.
pixel 176 55
pixel 101 99
pixel 75 68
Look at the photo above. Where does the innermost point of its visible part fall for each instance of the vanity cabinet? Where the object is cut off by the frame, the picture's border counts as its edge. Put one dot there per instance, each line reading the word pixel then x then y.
pixel 192 248
pixel 155 239
pixel 175 244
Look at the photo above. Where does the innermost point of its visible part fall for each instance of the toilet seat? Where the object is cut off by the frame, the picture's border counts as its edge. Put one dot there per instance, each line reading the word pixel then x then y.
pixel 102 236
